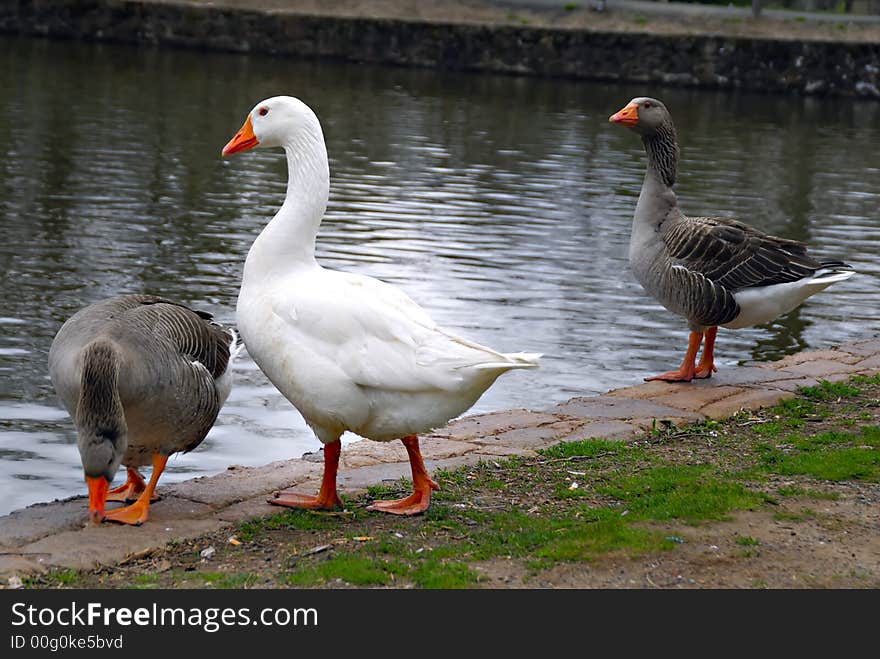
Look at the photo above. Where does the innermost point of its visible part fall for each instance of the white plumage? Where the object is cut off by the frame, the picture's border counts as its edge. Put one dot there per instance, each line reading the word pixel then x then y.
pixel 349 351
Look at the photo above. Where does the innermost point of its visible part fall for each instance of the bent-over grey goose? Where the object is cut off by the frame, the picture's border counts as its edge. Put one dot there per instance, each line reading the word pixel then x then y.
pixel 711 270
pixel 142 377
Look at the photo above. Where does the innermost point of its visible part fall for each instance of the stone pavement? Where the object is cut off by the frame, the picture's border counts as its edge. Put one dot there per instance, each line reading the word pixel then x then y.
pixel 59 535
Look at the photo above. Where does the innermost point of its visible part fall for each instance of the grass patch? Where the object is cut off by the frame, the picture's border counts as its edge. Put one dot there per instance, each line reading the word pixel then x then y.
pixel 687 492
pixel 831 465
pixel 353 569
pixel 587 448
pixel 865 380
pixel 289 520
pixel 829 390
pixel 797 491
pixel 435 574
pixel 747 541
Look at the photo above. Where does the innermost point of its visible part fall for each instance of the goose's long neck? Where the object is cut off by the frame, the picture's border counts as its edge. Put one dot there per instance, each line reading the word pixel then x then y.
pixel 657 198
pixel 288 241
pixel 662 149
pixel 99 411
pixel 657 202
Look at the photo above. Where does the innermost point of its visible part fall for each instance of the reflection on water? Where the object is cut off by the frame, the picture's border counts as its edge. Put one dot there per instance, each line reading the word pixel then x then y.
pixel 500 204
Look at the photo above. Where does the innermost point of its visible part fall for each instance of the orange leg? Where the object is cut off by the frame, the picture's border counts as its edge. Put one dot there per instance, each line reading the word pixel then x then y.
pixel 686 371
pixel 130 489
pixel 327 498
pixel 136 514
pixel 420 499
pixel 706 367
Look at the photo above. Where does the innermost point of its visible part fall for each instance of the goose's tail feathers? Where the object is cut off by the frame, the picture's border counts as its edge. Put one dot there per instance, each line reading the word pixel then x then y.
pixel 513 360
pixel 832 271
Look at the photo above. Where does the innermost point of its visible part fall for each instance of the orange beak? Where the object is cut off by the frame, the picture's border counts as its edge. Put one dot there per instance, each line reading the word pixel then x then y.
pixel 244 139
pixel 628 116
pixel 97 497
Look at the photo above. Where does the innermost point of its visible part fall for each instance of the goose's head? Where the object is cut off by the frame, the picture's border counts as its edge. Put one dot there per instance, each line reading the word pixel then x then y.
pixel 101 448
pixel 644 115
pixel 278 121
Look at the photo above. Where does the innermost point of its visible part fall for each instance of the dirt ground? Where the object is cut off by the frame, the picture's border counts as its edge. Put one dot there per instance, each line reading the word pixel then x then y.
pixel 527 523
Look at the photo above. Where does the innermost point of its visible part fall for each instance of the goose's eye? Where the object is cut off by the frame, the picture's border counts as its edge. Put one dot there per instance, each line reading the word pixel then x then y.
pixel 646 104
pixel 263 111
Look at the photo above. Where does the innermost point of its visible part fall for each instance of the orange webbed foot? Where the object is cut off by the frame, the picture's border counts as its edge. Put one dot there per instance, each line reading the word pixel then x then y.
pixel 135 514
pixel 678 375
pixel 130 490
pixel 291 499
pixel 415 504
pixel 705 371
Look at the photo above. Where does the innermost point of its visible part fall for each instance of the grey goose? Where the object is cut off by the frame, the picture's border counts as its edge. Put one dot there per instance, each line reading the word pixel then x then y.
pixel 713 271
pixel 142 377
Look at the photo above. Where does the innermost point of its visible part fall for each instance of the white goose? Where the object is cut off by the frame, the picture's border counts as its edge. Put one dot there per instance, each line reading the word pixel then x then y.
pixel 711 270
pixel 350 352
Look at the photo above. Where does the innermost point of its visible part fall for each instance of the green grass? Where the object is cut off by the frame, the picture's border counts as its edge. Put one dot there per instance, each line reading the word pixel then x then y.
pixel 348 567
pixel 831 465
pixel 797 491
pixel 587 448
pixel 580 535
pixel 685 492
pixel 290 520
pixel 829 391
pixel 433 573
pixel 747 541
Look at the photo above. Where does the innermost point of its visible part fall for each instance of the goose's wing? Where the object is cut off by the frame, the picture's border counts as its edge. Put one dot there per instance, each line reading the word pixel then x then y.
pixel 188 332
pixel 379 337
pixel 734 255
pixel 712 258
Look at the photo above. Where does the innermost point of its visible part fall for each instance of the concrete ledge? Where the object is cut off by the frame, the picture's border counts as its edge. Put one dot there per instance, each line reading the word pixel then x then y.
pixel 850 68
pixel 58 534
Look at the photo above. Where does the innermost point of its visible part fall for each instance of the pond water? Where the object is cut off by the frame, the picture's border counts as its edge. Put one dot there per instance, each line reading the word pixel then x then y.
pixel 501 204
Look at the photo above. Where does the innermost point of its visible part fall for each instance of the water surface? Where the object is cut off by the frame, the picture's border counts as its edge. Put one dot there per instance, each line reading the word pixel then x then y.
pixel 501 204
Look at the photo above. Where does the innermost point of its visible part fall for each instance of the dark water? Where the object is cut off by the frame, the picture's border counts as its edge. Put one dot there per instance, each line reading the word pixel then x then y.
pixel 502 205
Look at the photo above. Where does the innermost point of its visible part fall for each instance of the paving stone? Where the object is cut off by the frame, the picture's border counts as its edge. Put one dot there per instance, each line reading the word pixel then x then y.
pixel 647 390
pixel 171 508
pixel 610 407
pixel 529 438
pixel 609 430
pixel 244 482
pixel 839 356
pixel 482 425
pixel 751 399
pixel 867 348
pixel 869 364
pixel 104 544
pixel 697 396
pixel 41 519
pixel 821 368
pixel 788 384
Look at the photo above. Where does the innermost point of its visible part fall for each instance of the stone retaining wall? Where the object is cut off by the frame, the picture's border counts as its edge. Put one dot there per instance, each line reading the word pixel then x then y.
pixel 811 67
